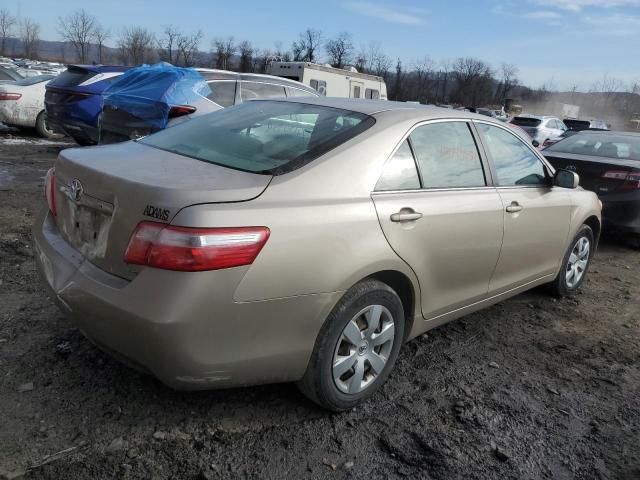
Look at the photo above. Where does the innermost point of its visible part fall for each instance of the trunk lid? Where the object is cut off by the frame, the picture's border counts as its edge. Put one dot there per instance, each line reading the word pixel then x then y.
pixel 592 168
pixel 102 193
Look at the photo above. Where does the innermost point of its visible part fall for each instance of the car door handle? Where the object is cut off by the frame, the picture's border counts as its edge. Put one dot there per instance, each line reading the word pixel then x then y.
pixel 515 207
pixel 405 215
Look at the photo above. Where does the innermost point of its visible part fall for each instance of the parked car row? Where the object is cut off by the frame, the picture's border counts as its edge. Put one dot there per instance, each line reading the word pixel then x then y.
pixel 106 104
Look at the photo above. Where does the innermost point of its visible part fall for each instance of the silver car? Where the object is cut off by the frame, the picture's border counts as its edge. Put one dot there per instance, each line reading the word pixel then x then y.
pixel 539 128
pixel 304 240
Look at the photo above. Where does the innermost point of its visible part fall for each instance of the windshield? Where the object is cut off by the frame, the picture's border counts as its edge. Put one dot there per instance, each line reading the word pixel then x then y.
pixel 262 136
pixel 25 82
pixel 599 145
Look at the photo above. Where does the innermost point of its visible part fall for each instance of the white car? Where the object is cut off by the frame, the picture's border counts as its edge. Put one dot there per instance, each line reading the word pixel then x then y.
pixel 22 104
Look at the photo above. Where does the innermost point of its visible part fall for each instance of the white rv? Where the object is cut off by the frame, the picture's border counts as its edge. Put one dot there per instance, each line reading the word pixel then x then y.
pixel 332 82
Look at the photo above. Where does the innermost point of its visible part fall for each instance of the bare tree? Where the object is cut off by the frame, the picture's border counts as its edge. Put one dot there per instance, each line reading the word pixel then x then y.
pixel 223 51
pixel 78 29
pixel 305 49
pixel 135 44
pixel 282 54
pixel 507 82
pixel 246 56
pixel 398 83
pixel 473 79
pixel 30 36
pixel 188 48
pixel 100 35
pixel 340 50
pixel 378 63
pixel 423 79
pixel 262 59
pixel 361 59
pixel 7 21
pixel 443 80
pixel 168 43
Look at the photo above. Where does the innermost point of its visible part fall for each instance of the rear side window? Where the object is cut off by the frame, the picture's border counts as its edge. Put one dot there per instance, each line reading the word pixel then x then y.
pixel 223 93
pixel 447 156
pixel 72 77
pixel 261 91
pixel 262 136
pixel 400 171
pixel 5 76
pixel 515 163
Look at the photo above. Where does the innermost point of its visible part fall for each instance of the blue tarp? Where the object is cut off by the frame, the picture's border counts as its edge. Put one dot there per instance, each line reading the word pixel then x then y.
pixel 149 91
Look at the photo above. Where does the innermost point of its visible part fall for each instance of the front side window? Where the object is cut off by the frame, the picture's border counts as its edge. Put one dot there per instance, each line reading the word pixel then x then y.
pixel 515 163
pixel 400 171
pixel 447 156
pixel 262 136
pixel 223 92
pixel 261 91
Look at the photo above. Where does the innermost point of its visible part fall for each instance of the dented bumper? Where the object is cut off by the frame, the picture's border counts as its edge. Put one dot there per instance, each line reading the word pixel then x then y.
pixel 182 327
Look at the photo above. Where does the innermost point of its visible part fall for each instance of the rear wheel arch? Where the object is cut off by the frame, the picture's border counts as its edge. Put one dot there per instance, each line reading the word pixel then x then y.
pixel 404 288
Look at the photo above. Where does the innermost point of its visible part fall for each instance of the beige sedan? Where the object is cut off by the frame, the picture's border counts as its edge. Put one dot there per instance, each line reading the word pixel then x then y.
pixel 304 240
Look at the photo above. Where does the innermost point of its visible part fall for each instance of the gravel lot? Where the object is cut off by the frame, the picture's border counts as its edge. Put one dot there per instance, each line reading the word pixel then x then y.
pixel 535 387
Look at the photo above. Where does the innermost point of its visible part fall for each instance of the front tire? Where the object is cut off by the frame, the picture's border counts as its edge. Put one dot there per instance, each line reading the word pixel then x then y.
pixel 575 263
pixel 356 348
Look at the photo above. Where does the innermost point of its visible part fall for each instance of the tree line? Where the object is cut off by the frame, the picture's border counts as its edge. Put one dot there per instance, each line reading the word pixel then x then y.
pixel 463 81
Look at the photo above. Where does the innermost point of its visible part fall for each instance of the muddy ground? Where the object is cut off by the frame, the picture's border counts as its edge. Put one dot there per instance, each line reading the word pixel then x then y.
pixel 535 387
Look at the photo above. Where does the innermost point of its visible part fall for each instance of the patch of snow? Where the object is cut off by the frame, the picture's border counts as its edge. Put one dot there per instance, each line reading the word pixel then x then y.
pixel 31 141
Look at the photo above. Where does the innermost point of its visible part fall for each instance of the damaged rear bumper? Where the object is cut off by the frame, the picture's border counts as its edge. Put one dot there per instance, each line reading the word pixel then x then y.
pixel 182 327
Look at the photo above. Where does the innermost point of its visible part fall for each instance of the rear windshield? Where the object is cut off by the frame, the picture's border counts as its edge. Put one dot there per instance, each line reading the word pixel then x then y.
pixel 599 145
pixel 577 124
pixel 73 76
pixel 260 136
pixel 526 121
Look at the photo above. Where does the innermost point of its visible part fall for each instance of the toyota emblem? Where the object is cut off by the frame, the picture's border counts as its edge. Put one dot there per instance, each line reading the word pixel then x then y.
pixel 75 189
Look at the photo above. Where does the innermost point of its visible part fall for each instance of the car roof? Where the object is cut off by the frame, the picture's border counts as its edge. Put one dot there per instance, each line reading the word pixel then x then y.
pixel 373 107
pixel 101 68
pixel 609 133
pixel 214 74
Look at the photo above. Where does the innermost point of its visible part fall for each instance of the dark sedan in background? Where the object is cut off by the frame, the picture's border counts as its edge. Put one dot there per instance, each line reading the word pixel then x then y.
pixel 609 165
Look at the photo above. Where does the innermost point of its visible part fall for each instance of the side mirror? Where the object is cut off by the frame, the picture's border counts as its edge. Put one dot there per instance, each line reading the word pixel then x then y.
pixel 535 143
pixel 566 179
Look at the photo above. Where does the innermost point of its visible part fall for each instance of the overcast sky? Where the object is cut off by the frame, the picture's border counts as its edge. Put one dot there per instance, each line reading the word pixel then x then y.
pixel 555 42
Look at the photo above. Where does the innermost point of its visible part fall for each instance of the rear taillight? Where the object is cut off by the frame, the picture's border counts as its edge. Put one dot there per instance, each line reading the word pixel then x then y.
pixel 181 110
pixel 194 249
pixel 630 180
pixel 50 190
pixel 10 96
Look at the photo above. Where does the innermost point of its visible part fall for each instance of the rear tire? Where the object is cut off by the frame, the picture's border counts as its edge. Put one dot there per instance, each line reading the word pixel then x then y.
pixel 575 263
pixel 356 348
pixel 43 130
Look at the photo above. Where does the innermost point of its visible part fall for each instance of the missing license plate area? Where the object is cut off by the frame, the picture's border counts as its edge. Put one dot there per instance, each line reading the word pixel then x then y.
pixel 86 225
